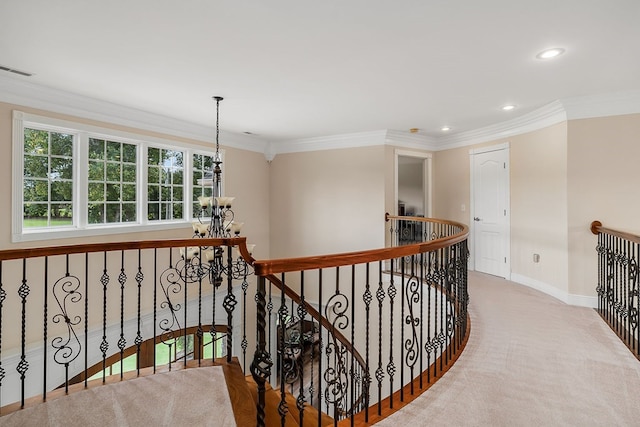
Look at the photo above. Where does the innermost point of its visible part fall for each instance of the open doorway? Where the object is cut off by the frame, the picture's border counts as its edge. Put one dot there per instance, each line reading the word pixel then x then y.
pixel 413 183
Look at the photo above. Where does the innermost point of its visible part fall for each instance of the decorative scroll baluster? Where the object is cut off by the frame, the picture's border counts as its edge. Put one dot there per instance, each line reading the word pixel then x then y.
pixel 302 314
pixel 68 348
pixel 86 317
pixel 244 344
pixel 412 295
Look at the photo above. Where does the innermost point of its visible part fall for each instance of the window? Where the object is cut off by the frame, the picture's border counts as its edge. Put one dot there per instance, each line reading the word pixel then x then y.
pixel 48 179
pixel 72 179
pixel 112 182
pixel 165 178
pixel 202 167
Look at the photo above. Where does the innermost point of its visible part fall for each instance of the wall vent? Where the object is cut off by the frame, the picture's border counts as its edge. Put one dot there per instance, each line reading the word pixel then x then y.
pixel 13 70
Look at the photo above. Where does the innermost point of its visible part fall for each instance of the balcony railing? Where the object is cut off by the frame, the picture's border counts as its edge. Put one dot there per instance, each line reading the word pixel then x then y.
pixel 349 336
pixel 618 283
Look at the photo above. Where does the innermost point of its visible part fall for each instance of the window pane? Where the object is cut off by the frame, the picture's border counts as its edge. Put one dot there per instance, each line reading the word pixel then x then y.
pixel 153 211
pixel 36 141
pixel 153 193
pixel 128 193
pixel 113 192
pixel 129 153
pixel 113 151
pixel 129 212
pixel 61 215
pixel 61 191
pixel 177 211
pixel 177 177
pixel 113 172
pixel 153 175
pixel 177 193
pixel 96 171
pixel 129 173
pixel 36 166
pixel 61 168
pixel 96 192
pixel 96 213
pixel 113 212
pixel 96 149
pixel 153 156
pixel 35 215
pixel 61 144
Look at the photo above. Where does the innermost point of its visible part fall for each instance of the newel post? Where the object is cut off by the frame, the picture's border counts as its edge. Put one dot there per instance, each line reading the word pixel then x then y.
pixel 261 365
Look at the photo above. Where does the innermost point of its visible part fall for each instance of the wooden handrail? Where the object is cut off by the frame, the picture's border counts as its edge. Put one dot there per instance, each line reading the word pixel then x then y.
pixel 124 246
pixel 597 228
pixel 267 267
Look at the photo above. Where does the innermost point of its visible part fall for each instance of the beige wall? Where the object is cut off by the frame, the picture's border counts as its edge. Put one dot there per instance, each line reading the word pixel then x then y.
pixel 246 177
pixel 326 202
pixel 603 184
pixel 538 163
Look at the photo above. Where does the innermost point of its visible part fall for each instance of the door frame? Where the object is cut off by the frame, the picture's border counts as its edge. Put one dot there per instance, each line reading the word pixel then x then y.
pixel 427 181
pixel 507 237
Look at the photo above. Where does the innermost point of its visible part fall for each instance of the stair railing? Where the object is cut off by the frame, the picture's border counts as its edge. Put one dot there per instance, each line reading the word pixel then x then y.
pixel 66 309
pixel 618 283
pixel 358 335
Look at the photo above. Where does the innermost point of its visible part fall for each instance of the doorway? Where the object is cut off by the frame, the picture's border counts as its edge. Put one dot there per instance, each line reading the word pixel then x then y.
pixel 490 210
pixel 413 183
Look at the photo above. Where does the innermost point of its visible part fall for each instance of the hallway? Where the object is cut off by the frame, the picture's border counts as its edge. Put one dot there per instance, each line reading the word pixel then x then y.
pixel 531 360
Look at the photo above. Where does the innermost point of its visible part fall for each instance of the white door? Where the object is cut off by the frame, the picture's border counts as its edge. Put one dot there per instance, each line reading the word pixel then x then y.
pixel 490 210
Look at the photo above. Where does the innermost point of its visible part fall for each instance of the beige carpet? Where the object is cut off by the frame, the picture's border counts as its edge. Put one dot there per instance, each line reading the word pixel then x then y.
pixel 531 360
pixel 190 397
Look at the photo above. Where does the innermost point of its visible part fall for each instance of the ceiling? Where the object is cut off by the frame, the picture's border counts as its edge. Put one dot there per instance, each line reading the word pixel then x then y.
pixel 292 69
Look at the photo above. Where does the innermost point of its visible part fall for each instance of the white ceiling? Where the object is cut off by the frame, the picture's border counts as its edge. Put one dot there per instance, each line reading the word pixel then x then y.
pixel 292 69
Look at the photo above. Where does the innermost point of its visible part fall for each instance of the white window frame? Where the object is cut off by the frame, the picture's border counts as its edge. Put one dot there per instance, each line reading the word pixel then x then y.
pixel 81 133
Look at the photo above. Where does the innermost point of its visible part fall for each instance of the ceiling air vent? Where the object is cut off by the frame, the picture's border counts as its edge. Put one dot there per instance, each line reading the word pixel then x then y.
pixel 12 70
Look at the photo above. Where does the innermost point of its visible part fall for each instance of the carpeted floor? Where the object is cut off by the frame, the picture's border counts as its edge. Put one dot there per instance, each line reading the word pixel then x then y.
pixel 188 397
pixel 531 360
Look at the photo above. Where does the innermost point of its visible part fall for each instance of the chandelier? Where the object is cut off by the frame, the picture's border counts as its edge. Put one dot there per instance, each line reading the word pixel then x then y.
pixel 215 219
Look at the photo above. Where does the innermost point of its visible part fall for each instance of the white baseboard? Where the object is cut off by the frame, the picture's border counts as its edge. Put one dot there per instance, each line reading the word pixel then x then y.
pixel 567 298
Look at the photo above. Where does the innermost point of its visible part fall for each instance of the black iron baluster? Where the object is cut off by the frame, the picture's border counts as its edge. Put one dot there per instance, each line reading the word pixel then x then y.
pixel 213 330
pixel 270 309
pixel 352 408
pixel 86 318
pixel 421 282
pixel 367 298
pixel 23 365
pixel 3 296
pixel 320 286
pixel 403 283
pixel 185 280
pixel 229 304
pixel 104 345
pixel 261 365
pixel 138 339
pixel 244 344
pixel 391 367
pixel 122 342
pixel 45 328
pixel 380 294
pixel 302 314
pixel 199 331
pixel 282 320
pixel 155 305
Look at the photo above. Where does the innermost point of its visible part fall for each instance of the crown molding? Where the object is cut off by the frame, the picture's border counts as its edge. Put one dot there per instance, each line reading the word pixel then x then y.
pixel 543 117
pixel 614 104
pixel 333 142
pixel 410 140
pixel 27 94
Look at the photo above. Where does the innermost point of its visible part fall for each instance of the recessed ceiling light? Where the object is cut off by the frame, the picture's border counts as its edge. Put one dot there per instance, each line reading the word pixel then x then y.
pixel 550 53
pixel 508 107
pixel 445 128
